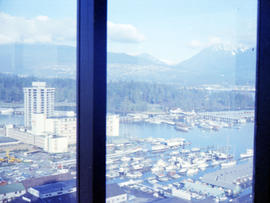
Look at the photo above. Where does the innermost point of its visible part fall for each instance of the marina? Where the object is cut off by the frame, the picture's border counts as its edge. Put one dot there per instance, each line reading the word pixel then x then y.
pixel 172 162
pixel 153 161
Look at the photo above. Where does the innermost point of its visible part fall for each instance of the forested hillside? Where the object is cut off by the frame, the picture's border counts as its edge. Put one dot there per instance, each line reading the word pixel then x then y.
pixel 135 96
pixel 11 88
pixel 126 97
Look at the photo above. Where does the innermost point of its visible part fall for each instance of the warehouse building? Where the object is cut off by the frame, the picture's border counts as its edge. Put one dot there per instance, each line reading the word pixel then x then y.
pixel 231 179
pixel 115 194
pixel 11 191
pixel 53 189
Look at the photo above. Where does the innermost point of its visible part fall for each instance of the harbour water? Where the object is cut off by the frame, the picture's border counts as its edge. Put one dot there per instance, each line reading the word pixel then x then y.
pixel 204 157
pixel 139 165
pixel 238 139
pixel 11 119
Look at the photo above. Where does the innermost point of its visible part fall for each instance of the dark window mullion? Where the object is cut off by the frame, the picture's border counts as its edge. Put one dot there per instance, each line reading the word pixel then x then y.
pixel 262 116
pixel 91 100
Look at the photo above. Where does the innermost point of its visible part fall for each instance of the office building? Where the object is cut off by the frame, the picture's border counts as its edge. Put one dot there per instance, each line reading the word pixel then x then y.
pixel 64 126
pixel 38 99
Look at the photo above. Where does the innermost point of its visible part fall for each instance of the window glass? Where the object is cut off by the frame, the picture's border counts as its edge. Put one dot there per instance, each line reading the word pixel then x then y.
pixel 38 100
pixel 180 100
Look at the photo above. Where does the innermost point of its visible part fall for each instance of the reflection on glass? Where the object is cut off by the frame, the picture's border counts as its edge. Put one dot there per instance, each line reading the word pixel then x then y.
pixel 181 85
pixel 37 101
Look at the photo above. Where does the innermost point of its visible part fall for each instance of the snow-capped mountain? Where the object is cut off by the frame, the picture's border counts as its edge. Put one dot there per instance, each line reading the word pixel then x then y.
pixel 218 64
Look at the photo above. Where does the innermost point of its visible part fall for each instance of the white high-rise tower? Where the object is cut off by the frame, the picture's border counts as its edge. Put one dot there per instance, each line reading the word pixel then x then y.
pixel 38 99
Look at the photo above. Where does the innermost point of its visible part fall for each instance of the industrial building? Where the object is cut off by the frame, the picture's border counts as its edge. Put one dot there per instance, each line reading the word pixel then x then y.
pixel 6 141
pixel 64 126
pixel 115 194
pixel 11 191
pixel 231 179
pixel 48 142
pixel 53 189
pixel 33 182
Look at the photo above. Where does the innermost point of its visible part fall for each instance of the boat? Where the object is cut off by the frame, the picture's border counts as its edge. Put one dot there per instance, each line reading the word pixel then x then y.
pixel 163 179
pixel 159 148
pixel 154 181
pixel 248 154
pixel 221 155
pixel 174 153
pixel 138 166
pixel 174 143
pixel 205 126
pixel 181 127
pixel 186 164
pixel 215 163
pixel 228 164
pixel 175 176
pixel 135 174
pixel 170 168
pixel 184 151
pixel 195 149
pixel 112 174
pixel 156 169
pixel 203 166
pixel 192 171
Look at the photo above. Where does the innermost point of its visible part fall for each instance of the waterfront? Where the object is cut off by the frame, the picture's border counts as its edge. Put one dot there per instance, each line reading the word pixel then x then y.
pixel 11 119
pixel 238 139
pixel 157 160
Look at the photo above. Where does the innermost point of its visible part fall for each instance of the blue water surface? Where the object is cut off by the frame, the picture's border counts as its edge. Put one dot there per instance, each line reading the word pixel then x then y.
pixel 238 140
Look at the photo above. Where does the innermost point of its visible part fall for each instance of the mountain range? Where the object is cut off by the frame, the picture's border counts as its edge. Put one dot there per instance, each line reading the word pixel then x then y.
pixel 213 65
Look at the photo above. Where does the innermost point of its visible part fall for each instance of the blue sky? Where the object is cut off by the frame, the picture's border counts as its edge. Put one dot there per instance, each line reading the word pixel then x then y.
pixel 171 30
pixel 176 29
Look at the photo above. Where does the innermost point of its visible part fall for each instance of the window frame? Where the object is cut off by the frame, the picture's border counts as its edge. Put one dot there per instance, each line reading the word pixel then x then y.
pixel 261 164
pixel 91 102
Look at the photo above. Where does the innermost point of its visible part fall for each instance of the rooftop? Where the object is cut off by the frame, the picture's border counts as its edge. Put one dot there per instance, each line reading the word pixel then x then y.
pixel 204 189
pixel 113 190
pixel 11 188
pixel 6 140
pixel 39 84
pixel 172 200
pixel 225 178
pixel 54 187
pixel 47 180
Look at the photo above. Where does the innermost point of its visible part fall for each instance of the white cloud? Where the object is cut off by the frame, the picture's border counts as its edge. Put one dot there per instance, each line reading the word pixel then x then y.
pixel 42 18
pixel 40 29
pixel 125 33
pixel 196 44
pixel 218 42
pixel 214 41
